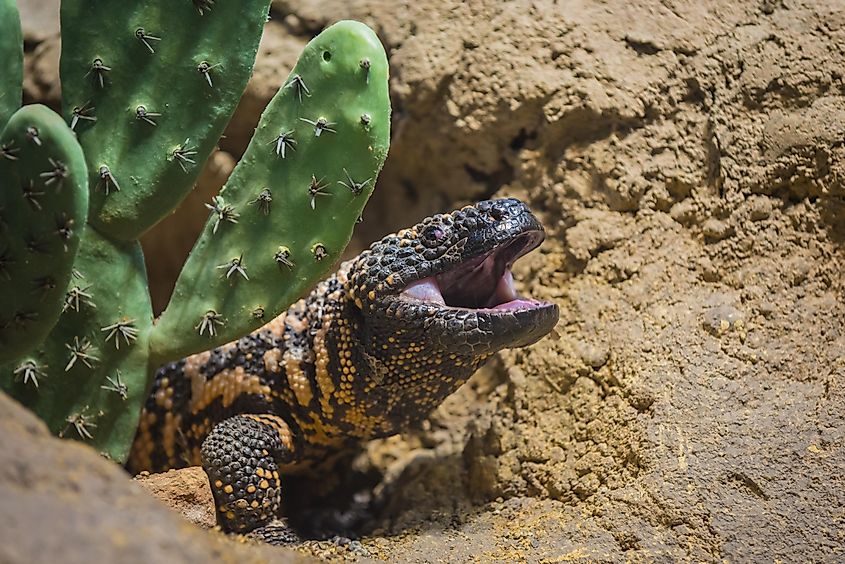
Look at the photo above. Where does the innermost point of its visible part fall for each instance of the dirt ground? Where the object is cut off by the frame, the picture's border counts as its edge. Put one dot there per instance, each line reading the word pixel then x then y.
pixel 688 160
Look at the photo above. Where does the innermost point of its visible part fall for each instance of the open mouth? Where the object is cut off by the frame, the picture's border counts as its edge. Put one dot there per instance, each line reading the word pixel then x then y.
pixel 482 283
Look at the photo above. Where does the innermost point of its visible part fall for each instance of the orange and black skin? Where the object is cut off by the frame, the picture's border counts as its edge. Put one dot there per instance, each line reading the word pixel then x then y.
pixel 355 360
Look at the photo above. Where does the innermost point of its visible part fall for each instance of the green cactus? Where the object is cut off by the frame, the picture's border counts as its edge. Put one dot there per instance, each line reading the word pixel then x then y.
pixel 162 78
pixel 96 358
pixel 288 209
pixel 43 205
pixel 148 104
pixel 11 53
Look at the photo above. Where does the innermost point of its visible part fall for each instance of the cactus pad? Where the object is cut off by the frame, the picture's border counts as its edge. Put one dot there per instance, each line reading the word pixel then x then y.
pixel 92 371
pixel 149 87
pixel 43 205
pixel 289 207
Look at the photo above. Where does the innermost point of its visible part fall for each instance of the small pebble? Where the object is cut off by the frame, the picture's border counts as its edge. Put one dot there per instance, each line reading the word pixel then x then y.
pixel 720 319
pixel 759 208
pixel 716 229
pixel 684 212
pixel 766 309
pixel 709 273
pixel 517 376
pixel 594 355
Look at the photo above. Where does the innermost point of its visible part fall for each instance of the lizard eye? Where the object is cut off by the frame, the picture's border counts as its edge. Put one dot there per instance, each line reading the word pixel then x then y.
pixel 433 233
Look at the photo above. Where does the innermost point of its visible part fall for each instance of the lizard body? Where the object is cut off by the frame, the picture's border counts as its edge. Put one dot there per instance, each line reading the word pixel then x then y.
pixel 371 351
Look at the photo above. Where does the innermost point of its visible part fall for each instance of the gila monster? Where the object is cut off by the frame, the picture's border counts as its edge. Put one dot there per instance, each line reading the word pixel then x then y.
pixel 371 351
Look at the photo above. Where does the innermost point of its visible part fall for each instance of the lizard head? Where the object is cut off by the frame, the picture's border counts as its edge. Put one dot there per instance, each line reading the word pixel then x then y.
pixel 446 282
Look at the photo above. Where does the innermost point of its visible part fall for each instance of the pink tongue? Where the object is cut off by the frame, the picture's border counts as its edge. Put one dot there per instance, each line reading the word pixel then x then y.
pixel 426 290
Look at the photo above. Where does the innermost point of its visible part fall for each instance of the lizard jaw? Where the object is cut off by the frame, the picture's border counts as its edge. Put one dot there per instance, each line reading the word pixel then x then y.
pixel 483 284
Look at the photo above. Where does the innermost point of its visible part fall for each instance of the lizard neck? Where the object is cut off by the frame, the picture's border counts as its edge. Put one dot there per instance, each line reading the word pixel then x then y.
pixel 369 376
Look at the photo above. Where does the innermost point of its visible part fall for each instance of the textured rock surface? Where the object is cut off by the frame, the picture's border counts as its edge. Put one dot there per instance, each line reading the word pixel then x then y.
pixel 185 490
pixel 688 159
pixel 64 503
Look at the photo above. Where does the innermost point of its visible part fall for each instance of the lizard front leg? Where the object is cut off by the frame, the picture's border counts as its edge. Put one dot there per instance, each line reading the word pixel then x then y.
pixel 241 456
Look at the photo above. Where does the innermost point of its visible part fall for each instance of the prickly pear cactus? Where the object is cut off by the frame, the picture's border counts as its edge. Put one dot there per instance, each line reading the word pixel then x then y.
pixel 148 101
pixel 11 53
pixel 161 78
pixel 95 362
pixel 43 205
pixel 288 209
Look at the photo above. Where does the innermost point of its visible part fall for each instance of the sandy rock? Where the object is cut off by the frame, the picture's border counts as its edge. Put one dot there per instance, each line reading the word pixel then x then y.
pixel 822 123
pixel 185 490
pixel 760 207
pixel 64 503
pixel 716 229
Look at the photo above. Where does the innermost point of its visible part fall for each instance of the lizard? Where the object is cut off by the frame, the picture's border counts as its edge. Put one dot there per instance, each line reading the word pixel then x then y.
pixel 371 351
